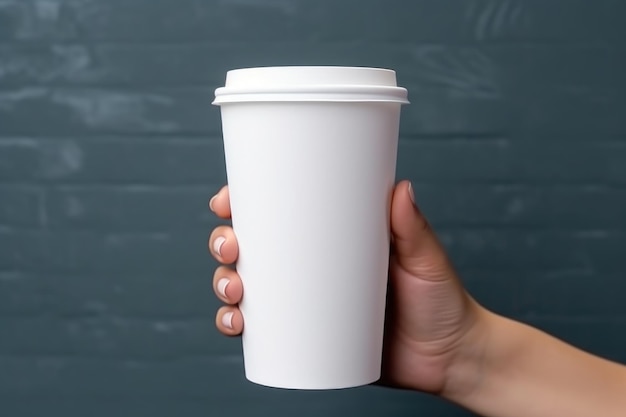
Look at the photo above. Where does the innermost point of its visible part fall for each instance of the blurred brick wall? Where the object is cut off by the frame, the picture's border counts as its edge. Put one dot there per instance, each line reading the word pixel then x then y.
pixel 109 150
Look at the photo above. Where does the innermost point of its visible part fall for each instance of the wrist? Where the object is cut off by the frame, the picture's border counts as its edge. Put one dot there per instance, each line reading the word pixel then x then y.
pixel 468 368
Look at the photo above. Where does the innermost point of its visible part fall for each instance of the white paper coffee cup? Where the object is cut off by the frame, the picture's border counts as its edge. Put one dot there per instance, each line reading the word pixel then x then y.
pixel 310 160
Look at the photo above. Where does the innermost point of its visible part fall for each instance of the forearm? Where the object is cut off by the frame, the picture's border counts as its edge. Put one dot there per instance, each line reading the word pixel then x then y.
pixel 520 371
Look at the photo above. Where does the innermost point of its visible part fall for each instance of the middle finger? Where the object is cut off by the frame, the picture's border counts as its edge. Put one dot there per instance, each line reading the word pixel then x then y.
pixel 223 245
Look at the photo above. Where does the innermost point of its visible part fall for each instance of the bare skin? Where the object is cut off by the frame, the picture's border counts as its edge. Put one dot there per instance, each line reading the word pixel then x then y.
pixel 441 341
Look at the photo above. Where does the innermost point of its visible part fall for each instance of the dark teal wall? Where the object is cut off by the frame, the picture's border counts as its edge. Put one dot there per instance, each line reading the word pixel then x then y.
pixel 110 149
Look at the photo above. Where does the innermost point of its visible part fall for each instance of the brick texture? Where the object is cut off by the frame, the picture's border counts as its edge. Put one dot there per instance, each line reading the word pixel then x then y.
pixel 110 148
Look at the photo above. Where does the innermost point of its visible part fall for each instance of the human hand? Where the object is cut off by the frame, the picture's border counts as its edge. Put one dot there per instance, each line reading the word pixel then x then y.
pixel 431 325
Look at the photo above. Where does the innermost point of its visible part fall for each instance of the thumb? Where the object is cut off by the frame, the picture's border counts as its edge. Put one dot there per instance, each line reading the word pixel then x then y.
pixel 415 245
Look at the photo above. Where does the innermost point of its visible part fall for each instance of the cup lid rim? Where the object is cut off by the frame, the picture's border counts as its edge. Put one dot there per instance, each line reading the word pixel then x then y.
pixel 306 83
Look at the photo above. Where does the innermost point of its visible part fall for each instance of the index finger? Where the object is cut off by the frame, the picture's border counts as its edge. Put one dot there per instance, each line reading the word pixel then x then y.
pixel 220 203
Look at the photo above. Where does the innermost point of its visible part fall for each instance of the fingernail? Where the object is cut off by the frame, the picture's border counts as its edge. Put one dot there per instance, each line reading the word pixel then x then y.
pixel 411 193
pixel 211 202
pixel 218 243
pixel 227 319
pixel 221 286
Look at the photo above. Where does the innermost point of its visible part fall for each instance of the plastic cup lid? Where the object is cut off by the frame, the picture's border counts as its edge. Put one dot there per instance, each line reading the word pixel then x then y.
pixel 311 83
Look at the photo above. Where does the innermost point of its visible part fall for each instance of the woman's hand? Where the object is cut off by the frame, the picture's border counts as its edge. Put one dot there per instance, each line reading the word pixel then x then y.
pixel 430 318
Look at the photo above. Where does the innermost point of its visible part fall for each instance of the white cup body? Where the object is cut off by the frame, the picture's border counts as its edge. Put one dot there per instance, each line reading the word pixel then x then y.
pixel 310 190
